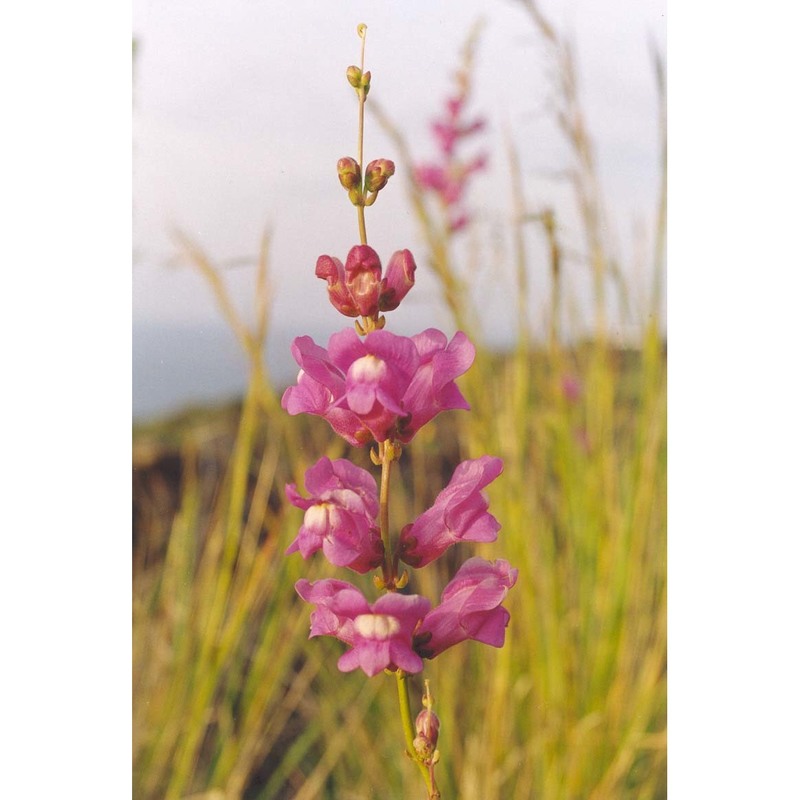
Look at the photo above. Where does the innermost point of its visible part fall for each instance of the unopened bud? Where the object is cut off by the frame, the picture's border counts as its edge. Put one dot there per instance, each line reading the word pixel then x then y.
pixel 378 173
pixel 427 726
pixel 365 80
pixel 349 173
pixel 362 276
pixel 354 77
pixel 398 280
pixel 332 270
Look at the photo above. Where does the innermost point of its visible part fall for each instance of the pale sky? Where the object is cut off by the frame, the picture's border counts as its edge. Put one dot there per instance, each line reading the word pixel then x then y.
pixel 241 110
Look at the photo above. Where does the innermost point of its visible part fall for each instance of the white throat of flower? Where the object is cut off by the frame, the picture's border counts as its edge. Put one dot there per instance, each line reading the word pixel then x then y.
pixel 376 626
pixel 367 369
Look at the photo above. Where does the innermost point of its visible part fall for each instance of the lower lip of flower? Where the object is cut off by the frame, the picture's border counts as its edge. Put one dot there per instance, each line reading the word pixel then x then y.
pixel 376 626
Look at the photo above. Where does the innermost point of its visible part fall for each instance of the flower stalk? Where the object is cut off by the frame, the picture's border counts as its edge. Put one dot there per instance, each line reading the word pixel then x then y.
pixel 387 456
pixel 379 389
pixel 362 99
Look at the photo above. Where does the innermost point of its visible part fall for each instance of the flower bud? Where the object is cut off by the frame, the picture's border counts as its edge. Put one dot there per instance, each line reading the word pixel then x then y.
pixel 349 173
pixel 427 726
pixel 362 275
pixel 377 174
pixel 365 82
pixel 398 281
pixel 354 77
pixel 331 270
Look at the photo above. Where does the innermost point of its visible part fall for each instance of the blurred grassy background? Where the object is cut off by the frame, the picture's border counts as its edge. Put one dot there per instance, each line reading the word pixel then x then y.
pixel 231 701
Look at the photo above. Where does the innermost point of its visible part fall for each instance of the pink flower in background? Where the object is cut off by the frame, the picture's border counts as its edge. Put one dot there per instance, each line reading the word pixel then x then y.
pixel 446 135
pixel 340 516
pixel 430 176
pixel 449 175
pixel 470 608
pixel 459 222
pixel 571 388
pixel 356 288
pixel 382 386
pixel 380 634
pixel 459 514
pixel 450 128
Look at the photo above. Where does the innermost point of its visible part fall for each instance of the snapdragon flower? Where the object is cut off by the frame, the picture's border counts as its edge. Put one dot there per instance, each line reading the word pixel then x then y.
pixel 379 635
pixel 357 286
pixel 433 388
pixel 384 386
pixel 459 514
pixel 470 608
pixel 340 516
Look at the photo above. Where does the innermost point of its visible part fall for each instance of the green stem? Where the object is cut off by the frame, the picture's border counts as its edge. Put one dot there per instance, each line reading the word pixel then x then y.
pixel 362 99
pixel 387 452
pixel 362 224
pixel 408 731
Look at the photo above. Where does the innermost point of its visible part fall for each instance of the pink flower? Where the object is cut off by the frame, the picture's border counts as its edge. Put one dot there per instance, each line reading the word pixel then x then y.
pixel 449 176
pixel 453 106
pixel 459 514
pixel 475 126
pixel 430 176
pixel 384 386
pixel 320 386
pixel 446 135
pixel 332 270
pixel 380 634
pixel 378 370
pixel 433 387
pixel 470 608
pixel 458 222
pixel 571 388
pixel 337 604
pixel 448 185
pixel 356 288
pixel 477 164
pixel 362 275
pixel 398 280
pixel 340 516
